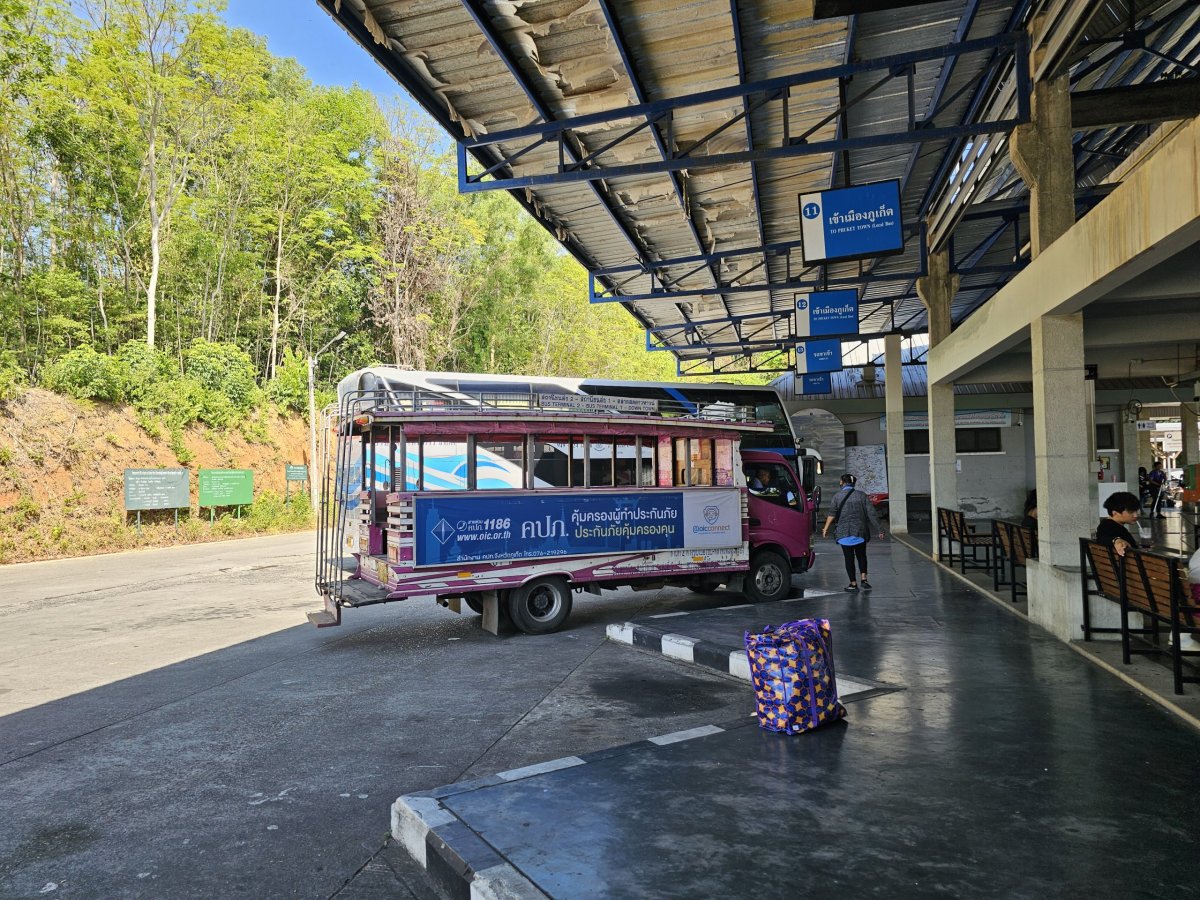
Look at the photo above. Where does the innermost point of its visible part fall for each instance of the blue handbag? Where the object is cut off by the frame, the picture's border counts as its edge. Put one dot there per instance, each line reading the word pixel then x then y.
pixel 851 541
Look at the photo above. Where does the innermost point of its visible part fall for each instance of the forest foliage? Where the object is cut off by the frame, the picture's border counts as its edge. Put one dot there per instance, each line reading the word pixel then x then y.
pixel 184 217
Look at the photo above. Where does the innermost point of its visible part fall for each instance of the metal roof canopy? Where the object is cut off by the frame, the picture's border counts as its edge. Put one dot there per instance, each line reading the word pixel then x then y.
pixel 665 144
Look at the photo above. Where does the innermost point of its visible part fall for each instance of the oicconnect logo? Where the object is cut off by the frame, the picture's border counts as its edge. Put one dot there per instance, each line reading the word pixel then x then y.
pixel 811 210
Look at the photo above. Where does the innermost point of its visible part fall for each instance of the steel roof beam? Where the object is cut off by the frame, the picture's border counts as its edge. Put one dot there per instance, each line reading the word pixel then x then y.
pixel 775 90
pixel 618 37
pixel 484 24
pixel 1160 101
pixel 435 106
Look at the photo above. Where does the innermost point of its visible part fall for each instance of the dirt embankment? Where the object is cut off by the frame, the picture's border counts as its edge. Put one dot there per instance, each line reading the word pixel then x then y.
pixel 62 466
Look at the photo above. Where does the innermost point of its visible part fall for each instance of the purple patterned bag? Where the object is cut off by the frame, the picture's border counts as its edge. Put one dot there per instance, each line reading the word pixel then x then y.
pixel 794 682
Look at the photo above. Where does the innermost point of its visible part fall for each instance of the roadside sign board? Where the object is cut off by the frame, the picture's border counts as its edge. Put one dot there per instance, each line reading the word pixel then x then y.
pixel 818 356
pixel 156 489
pixel 297 473
pixel 851 223
pixel 226 487
pixel 827 312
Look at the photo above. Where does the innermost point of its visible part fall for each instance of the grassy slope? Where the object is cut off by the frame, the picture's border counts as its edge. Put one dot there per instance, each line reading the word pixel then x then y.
pixel 62 468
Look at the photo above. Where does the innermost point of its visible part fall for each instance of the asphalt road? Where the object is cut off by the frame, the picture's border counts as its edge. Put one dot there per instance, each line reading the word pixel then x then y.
pixel 171 726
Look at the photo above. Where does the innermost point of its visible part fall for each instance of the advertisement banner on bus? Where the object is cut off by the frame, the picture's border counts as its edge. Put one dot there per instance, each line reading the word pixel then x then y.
pixel 455 529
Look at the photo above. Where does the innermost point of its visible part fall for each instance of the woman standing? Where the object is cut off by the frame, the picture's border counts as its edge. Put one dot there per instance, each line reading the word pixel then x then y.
pixel 853 519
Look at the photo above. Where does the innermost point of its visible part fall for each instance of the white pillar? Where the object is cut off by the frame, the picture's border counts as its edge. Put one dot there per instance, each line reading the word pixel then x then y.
pixel 1065 480
pixel 894 410
pixel 1189 433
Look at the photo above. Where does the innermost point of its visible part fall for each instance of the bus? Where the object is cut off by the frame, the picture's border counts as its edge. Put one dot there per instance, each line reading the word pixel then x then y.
pixel 509 502
pixel 760 402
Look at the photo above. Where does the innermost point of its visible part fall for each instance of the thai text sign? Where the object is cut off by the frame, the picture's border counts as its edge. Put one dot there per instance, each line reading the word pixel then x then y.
pixel 598 404
pixel 452 529
pixel 821 383
pixel 296 473
pixel 156 489
pixel 827 312
pixel 851 223
pixel 818 356
pixel 226 487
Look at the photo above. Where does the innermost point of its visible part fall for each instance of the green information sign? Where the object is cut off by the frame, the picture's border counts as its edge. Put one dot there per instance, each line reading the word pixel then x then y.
pixel 297 473
pixel 226 487
pixel 156 489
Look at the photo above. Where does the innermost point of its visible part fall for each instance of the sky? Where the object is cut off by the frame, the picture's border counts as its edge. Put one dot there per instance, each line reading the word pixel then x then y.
pixel 303 30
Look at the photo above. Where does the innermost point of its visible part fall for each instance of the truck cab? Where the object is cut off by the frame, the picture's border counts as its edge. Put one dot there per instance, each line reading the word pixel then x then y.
pixel 782 518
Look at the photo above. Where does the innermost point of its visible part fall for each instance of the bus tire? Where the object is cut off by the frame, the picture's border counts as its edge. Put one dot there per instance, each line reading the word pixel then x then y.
pixel 769 578
pixel 475 605
pixel 541 606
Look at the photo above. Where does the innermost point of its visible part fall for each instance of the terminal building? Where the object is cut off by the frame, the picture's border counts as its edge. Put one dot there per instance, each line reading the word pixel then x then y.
pixel 964 239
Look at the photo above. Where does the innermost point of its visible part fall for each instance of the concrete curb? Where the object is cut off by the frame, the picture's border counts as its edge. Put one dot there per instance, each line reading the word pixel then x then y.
pixel 460 862
pixel 723 658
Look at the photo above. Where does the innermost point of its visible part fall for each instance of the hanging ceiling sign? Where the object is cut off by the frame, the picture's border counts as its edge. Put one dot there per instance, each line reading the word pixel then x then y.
pixel 818 356
pixel 851 223
pixel 821 383
pixel 827 312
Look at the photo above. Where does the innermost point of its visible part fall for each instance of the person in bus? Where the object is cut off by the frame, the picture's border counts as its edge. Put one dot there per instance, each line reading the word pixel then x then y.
pixel 769 485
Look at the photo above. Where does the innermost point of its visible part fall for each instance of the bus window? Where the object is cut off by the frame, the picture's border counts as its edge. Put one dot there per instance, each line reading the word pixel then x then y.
pixel 600 463
pixel 681 461
pixel 700 461
pixel 724 462
pixel 552 462
pixel 647 465
pixel 500 463
pixel 625 465
pixel 443 465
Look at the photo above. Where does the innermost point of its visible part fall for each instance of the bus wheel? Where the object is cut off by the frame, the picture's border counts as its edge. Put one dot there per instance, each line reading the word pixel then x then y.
pixel 540 607
pixel 475 605
pixel 770 577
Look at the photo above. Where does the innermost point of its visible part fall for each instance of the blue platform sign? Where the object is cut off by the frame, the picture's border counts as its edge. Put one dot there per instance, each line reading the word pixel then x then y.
pixel 818 356
pixel 851 223
pixel 827 312
pixel 452 529
pixel 821 383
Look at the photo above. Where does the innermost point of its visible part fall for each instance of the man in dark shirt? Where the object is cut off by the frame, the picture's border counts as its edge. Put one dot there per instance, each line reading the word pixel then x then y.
pixel 1122 511
pixel 1155 481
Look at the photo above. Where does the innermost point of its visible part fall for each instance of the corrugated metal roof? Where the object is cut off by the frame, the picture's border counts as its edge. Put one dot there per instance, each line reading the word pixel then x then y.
pixel 483 68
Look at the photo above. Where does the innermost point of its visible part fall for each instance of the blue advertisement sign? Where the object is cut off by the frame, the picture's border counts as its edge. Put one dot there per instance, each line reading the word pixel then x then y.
pixel 827 312
pixel 457 529
pixel 850 223
pixel 816 384
pixel 818 356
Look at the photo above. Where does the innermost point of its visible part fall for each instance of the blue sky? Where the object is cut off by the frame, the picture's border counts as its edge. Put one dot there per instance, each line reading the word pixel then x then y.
pixel 303 30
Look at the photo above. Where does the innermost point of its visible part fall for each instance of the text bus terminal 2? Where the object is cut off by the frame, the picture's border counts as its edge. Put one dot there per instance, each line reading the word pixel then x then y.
pixel 514 500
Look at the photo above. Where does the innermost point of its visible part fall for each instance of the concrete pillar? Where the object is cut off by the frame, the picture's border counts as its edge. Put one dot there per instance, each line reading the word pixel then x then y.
pixel 936 290
pixel 1190 435
pixel 1061 455
pixel 893 383
pixel 1041 151
pixel 1130 448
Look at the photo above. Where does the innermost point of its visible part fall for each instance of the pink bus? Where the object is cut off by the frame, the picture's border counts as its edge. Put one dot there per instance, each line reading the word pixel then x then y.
pixel 509 505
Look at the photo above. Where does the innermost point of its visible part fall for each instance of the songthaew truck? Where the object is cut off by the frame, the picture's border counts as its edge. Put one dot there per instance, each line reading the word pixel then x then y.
pixel 511 504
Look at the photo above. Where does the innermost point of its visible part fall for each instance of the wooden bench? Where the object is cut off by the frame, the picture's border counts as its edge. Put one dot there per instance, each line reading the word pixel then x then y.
pixel 1014 544
pixel 953 529
pixel 1155 585
pixel 1100 565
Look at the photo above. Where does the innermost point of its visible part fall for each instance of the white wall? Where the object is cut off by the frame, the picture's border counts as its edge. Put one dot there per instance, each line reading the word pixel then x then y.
pixel 990 485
